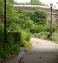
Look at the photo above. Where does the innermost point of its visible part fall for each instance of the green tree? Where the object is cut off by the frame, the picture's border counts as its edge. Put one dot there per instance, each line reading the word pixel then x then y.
pixel 12 16
pixel 25 21
pixel 39 17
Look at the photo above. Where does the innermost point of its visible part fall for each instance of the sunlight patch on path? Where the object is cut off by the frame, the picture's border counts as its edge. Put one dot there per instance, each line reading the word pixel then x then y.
pixel 39 43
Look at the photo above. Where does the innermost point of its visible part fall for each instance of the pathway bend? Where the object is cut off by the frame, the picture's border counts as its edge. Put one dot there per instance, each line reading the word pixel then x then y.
pixel 43 51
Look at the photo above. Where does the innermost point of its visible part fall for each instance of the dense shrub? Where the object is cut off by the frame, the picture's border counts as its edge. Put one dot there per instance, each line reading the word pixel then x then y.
pixel 14 37
pixel 25 21
pixel 55 34
pixel 12 49
pixel 27 44
pixel 29 18
pixel 56 30
pixel 25 38
pixel 42 35
pixel 55 37
pixel 39 28
pixel 39 17
pixel 26 35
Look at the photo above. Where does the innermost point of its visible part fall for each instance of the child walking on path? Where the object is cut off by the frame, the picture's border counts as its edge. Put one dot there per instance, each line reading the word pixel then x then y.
pixel 21 53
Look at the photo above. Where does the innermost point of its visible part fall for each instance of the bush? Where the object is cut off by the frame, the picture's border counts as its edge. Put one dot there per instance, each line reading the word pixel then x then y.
pixel 39 28
pixel 14 37
pixel 55 37
pixel 12 49
pixel 42 35
pixel 39 17
pixel 26 35
pixel 27 44
pixel 56 30
pixel 25 38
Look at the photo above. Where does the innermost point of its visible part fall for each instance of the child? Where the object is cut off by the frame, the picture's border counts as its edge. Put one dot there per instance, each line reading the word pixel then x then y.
pixel 21 53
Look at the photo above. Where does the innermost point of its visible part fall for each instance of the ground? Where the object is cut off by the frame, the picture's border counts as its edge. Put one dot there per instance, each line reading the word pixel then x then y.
pixel 43 51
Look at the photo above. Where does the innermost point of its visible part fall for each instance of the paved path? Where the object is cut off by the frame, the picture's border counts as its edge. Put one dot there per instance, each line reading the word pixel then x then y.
pixel 43 51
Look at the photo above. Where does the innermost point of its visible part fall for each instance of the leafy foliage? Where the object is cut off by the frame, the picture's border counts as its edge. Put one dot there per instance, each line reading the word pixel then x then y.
pixel 39 17
pixel 12 49
pixel 1 7
pixel 39 28
pixel 24 19
pixel 16 22
pixel 42 35
pixel 25 39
